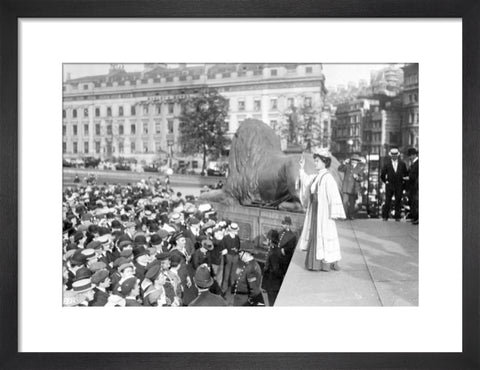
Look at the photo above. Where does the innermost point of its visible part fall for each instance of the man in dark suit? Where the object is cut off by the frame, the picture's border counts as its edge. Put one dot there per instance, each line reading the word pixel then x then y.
pixel 413 184
pixel 287 242
pixel 354 172
pixel 393 175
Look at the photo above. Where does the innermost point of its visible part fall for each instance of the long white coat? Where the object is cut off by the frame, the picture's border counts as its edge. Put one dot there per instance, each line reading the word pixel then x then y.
pixel 330 207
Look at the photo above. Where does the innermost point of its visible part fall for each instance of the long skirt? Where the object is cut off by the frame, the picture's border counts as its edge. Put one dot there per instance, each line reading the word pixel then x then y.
pixel 311 262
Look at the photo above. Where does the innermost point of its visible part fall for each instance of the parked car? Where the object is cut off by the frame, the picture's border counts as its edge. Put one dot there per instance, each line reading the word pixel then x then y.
pixel 67 163
pixel 91 162
pixel 215 172
pixel 122 166
pixel 150 168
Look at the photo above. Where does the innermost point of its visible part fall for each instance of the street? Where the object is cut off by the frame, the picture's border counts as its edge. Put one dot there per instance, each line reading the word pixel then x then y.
pixel 379 267
pixel 187 184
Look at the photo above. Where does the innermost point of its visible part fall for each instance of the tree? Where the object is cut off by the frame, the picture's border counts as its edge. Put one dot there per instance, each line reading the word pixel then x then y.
pixel 202 125
pixel 301 126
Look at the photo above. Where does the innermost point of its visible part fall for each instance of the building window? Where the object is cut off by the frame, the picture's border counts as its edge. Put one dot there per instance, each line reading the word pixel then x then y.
pixel 145 109
pixel 85 147
pixel 85 130
pixel 120 111
pixel 120 147
pixel 85 112
pixel 120 129
pixel 109 130
pixel 158 127
pixel 97 147
pixel 273 72
pixel 273 124
pixel 75 147
pixel 132 147
pixel 132 110
pixel 145 147
pixel 74 130
pixel 64 130
pixel 64 147
pixel 85 87
pixel 74 113
pixel 109 111
pixel 170 108
pixel 97 129
pixel 64 113
pixel 133 129
pixel 309 70
pixel 158 146
pixel 241 105
pixel 145 128
pixel 290 102
pixel 158 109
pixel 97 112
pixel 273 104
pixel 257 105
pixel 170 126
pixel 308 102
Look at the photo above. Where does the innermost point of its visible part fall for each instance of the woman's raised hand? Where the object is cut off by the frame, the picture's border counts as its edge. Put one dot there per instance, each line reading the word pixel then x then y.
pixel 302 162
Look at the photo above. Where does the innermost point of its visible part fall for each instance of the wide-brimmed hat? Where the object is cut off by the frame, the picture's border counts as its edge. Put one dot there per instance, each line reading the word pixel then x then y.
pixel 207 244
pixel 323 152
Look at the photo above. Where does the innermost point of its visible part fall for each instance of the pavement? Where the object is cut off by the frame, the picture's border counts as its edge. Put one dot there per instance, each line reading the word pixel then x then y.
pixel 379 267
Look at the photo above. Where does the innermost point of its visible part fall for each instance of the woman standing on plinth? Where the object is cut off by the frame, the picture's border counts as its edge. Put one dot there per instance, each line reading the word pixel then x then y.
pixel 319 194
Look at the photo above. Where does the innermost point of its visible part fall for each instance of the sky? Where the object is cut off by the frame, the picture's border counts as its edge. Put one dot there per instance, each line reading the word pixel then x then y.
pixel 335 74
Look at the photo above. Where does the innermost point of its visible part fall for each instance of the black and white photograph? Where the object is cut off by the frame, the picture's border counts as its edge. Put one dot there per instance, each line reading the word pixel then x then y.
pixel 240 184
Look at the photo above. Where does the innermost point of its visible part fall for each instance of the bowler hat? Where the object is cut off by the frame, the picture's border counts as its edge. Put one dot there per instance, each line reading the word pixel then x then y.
pixel 139 251
pixel 203 278
pixel 140 239
pixel 155 239
pixel 412 151
pixel 287 220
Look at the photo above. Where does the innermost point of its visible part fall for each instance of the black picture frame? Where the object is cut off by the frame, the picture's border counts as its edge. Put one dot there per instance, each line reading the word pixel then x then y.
pixel 11 10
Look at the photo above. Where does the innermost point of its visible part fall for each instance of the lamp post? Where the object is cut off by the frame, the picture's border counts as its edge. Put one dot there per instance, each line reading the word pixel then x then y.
pixel 350 145
pixel 170 149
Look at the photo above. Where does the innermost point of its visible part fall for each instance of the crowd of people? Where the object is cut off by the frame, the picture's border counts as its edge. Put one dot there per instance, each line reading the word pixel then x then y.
pixel 143 244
